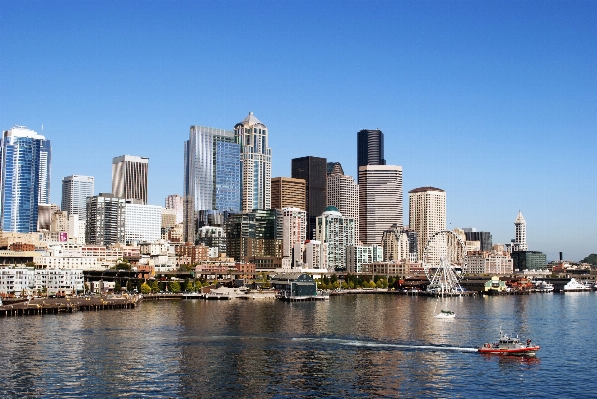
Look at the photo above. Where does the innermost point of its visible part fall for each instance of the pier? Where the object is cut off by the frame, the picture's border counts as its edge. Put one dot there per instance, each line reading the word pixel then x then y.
pixel 47 306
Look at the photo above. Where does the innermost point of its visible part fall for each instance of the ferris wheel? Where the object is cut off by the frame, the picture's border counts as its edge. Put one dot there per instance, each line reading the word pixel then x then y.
pixel 443 261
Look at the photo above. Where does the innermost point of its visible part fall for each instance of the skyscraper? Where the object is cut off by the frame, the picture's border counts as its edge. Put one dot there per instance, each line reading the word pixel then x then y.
pixel 256 163
pixel 294 226
pixel 370 149
pixel 25 159
pixel 105 220
pixel 75 190
pixel 343 193
pixel 338 232
pixel 212 175
pixel 288 193
pixel 380 201
pixel 520 240
pixel 314 171
pixel 427 214
pixel 129 177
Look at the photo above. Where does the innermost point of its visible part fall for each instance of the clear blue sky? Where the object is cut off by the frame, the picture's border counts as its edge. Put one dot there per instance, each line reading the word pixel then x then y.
pixel 495 102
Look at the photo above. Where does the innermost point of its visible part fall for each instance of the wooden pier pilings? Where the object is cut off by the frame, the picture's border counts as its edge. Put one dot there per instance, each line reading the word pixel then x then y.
pixel 41 306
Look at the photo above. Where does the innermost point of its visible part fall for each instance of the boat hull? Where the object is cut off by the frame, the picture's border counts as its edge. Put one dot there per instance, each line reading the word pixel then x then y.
pixel 526 351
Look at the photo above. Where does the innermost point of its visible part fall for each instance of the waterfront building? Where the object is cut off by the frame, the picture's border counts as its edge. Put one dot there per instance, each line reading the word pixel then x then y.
pixel 294 228
pixel 380 201
pixel 399 243
pixel 427 214
pixel 27 281
pixel 392 268
pixel 212 175
pixel 189 254
pixel 520 240
pixel 142 223
pixel 175 202
pixel 288 192
pixel 105 220
pixel 529 260
pixel 338 232
pixel 343 193
pixel 56 259
pixel 489 262
pixel 44 216
pixel 76 229
pixel 314 171
pixel 370 148
pixel 129 177
pixel 256 163
pixel 25 159
pixel 358 255
pixel 158 254
pixel 75 190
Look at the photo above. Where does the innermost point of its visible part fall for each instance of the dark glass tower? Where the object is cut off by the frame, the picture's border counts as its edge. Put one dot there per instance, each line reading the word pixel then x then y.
pixel 370 148
pixel 314 171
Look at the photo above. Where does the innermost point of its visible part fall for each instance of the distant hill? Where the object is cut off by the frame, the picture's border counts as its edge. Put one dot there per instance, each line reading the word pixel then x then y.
pixel 592 259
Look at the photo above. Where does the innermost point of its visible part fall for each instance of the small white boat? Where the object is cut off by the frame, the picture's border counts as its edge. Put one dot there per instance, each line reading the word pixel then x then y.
pixel 445 314
pixel 543 286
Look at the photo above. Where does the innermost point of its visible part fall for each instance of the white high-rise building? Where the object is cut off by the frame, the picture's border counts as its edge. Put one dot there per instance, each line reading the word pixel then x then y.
pixel 75 190
pixel 358 255
pixel 427 214
pixel 294 229
pixel 338 232
pixel 142 223
pixel 175 202
pixel 380 201
pixel 343 193
pixel 520 240
pixel 256 164
pixel 129 177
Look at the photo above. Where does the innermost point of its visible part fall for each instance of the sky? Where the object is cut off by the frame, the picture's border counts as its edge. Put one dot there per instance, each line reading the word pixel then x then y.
pixel 495 102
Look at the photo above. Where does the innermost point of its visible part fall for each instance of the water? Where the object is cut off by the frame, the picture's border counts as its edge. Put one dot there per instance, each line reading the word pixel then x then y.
pixel 351 346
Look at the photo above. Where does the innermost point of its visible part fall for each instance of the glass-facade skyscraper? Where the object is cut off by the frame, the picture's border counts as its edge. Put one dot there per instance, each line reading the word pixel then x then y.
pixel 256 163
pixel 212 175
pixel 25 159
pixel 370 149
pixel 75 190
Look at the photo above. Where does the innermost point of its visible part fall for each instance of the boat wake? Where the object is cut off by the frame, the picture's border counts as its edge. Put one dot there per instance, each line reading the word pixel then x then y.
pixel 371 344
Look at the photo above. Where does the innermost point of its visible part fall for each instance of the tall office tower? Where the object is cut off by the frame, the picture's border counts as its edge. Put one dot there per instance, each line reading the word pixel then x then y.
pixel 75 190
pixel 212 176
pixel 484 238
pixel 338 232
pixel 380 201
pixel 343 193
pixel 288 193
pixel 129 177
pixel 520 240
pixel 427 214
pixel 105 220
pixel 314 171
pixel 370 148
pixel 175 203
pixel 25 159
pixel 44 216
pixel 256 163
pixel 294 227
pixel 142 223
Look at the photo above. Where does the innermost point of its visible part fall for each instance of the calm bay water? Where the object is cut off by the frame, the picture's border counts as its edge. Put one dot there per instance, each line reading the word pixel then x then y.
pixel 350 346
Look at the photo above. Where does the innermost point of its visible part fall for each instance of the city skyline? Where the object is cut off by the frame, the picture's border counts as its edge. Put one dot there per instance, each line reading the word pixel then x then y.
pixel 492 102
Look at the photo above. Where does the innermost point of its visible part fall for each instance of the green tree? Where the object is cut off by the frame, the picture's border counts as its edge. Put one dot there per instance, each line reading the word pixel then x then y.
pixel 372 284
pixel 198 285
pixel 592 259
pixel 189 286
pixel 174 287
pixel 117 286
pixel 155 286
pixel 145 289
pixel 123 265
pixel 344 285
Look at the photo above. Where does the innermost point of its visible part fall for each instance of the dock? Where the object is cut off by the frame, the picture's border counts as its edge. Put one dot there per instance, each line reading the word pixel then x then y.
pixel 48 306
